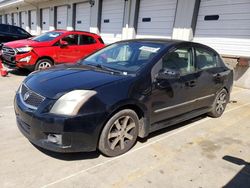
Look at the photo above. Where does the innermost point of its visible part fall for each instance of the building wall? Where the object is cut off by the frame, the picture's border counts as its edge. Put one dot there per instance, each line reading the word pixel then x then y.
pixel 184 25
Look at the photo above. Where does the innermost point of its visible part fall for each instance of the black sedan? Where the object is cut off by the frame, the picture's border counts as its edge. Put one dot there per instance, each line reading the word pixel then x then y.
pixel 124 91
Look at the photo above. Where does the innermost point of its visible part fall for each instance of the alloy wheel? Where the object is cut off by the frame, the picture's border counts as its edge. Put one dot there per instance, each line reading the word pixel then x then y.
pixel 44 65
pixel 122 133
pixel 221 103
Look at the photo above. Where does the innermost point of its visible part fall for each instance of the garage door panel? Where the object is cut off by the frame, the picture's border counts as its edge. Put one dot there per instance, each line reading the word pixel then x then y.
pixel 230 34
pixel 33 22
pixel 112 20
pixel 222 33
pixel 9 20
pixel 240 16
pixel 156 18
pixel 243 24
pixel 222 2
pixel 82 21
pixel 227 9
pixel 62 17
pixel 24 20
pixel 15 19
pixel 45 19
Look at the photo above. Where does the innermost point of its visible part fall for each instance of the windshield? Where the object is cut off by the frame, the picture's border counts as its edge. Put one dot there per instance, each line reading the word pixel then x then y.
pixel 47 36
pixel 127 57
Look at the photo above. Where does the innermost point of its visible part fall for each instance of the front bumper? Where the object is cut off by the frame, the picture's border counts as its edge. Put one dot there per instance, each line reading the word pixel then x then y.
pixel 14 61
pixel 78 133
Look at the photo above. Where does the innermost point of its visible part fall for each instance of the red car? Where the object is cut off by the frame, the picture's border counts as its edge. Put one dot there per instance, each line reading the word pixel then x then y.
pixel 50 48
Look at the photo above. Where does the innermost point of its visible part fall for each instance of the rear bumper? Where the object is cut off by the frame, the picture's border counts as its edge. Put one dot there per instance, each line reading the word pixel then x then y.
pixel 78 134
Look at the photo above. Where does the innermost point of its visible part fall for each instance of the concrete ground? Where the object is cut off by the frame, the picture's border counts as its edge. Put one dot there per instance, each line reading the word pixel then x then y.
pixel 200 153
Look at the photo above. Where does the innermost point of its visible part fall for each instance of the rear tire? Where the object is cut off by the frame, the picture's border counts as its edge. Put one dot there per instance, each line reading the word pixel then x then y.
pixel 43 64
pixel 219 104
pixel 119 134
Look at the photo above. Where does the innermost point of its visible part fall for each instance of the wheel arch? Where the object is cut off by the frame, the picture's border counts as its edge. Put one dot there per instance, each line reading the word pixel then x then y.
pixel 141 113
pixel 46 57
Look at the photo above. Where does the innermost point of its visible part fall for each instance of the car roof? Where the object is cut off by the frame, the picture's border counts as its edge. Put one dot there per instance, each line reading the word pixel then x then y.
pixel 75 31
pixel 168 42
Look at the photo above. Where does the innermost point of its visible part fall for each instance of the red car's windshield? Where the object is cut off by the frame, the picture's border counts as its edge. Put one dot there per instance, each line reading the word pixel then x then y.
pixel 47 36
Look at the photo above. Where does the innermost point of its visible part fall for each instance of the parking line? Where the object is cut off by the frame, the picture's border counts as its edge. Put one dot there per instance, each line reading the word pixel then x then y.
pixel 139 148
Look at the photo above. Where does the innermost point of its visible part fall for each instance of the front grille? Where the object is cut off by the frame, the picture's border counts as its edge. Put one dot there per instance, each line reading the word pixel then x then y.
pixel 7 51
pixel 8 56
pixel 30 98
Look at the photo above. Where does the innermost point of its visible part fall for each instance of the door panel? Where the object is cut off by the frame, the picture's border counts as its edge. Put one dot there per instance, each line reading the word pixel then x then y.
pixel 69 53
pixel 174 96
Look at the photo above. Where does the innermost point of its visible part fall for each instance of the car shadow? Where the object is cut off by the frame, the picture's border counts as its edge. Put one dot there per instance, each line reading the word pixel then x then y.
pixel 241 179
pixel 171 128
pixel 19 72
pixel 69 156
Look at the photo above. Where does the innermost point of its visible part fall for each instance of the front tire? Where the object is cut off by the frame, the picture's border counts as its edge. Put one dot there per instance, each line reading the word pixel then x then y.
pixel 43 64
pixel 219 104
pixel 119 134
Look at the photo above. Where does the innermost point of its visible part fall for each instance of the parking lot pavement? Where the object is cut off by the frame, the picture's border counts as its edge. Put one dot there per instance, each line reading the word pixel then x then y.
pixel 202 152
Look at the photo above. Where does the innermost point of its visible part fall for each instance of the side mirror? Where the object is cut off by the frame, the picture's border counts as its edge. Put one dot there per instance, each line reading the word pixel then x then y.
pixel 63 43
pixel 166 73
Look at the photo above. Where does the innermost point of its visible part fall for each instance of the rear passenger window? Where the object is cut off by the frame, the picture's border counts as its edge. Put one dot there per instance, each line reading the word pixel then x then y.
pixel 84 39
pixel 206 59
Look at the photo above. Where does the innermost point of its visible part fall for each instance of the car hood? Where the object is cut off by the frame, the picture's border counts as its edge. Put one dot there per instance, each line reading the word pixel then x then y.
pixel 26 42
pixel 53 83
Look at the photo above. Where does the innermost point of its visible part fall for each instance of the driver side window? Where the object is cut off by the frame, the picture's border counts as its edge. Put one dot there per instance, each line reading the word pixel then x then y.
pixel 180 60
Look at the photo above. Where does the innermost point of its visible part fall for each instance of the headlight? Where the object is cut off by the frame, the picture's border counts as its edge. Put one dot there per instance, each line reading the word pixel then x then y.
pixel 70 103
pixel 24 49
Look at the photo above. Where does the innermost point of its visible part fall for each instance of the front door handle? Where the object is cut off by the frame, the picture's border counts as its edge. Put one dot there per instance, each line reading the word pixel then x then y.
pixel 191 83
pixel 217 77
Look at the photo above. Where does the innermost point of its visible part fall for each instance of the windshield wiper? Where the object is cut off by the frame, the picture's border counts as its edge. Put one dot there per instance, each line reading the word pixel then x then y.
pixel 99 66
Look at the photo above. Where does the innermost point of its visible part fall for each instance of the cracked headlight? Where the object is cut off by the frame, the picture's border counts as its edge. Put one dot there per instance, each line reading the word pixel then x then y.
pixel 70 103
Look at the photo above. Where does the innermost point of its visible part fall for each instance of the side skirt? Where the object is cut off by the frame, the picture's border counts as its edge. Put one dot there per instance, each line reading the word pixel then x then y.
pixel 178 119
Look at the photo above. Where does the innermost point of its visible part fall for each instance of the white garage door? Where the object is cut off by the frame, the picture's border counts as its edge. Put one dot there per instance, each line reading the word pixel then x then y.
pixel 112 20
pixel 15 19
pixel 33 22
pixel 62 17
pixel 45 19
pixel 82 21
pixel 24 22
pixel 9 19
pixel 225 26
pixel 156 18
